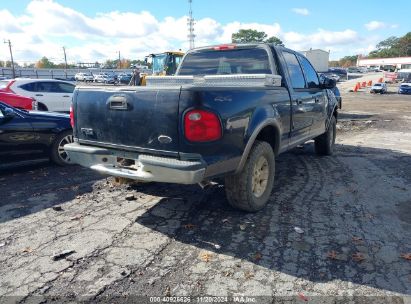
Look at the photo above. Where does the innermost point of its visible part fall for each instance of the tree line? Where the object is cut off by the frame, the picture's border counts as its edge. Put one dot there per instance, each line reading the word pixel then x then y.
pixel 393 47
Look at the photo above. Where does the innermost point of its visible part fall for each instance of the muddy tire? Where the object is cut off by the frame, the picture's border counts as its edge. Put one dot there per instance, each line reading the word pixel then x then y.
pixel 324 144
pixel 250 189
pixel 57 153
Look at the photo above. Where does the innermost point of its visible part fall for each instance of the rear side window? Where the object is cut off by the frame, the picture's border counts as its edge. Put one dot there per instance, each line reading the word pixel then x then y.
pixel 225 62
pixel 65 87
pixel 294 69
pixel 31 87
pixel 310 74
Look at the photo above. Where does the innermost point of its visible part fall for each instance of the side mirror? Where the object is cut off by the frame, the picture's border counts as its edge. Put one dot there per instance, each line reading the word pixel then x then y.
pixel 9 113
pixel 327 83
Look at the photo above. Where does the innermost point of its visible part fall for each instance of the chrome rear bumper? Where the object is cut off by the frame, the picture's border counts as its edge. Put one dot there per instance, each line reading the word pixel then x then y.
pixel 136 166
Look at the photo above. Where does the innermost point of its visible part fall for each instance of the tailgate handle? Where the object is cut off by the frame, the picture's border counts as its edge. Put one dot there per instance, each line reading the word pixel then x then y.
pixel 118 102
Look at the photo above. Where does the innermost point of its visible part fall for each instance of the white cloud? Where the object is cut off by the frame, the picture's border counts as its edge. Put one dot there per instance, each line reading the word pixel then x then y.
pixel 47 25
pixel 320 39
pixel 375 25
pixel 301 11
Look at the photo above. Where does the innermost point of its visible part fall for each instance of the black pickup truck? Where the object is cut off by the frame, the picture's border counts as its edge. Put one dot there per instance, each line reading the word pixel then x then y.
pixel 228 111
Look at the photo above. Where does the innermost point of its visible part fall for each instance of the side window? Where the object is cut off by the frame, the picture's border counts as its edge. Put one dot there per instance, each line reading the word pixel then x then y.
pixel 65 87
pixel 45 86
pixel 31 87
pixel 294 69
pixel 310 73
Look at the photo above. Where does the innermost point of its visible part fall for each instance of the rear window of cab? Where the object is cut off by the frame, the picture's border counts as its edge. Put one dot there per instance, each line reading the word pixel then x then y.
pixel 226 62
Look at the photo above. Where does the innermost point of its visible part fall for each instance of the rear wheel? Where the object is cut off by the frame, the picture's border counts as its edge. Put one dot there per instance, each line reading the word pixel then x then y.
pixel 58 155
pixel 41 107
pixel 324 144
pixel 250 189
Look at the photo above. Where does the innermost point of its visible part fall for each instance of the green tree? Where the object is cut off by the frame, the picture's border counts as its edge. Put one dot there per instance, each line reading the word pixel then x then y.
pixel 45 63
pixel 393 47
pixel 387 43
pixel 247 36
pixel 404 45
pixel 275 41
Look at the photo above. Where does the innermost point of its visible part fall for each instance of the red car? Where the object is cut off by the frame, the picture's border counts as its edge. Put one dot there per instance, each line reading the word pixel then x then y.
pixel 18 101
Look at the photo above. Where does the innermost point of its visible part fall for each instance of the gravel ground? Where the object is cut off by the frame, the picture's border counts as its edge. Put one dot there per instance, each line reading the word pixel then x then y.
pixel 337 229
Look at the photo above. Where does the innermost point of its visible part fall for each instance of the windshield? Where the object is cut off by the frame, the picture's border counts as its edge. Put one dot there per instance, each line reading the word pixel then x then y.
pixel 159 63
pixel 378 85
pixel 236 61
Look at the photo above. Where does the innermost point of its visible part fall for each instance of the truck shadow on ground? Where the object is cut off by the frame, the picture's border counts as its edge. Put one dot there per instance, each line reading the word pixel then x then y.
pixel 29 189
pixel 344 237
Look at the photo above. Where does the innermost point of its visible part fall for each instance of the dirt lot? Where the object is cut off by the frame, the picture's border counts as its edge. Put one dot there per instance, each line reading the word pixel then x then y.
pixel 68 232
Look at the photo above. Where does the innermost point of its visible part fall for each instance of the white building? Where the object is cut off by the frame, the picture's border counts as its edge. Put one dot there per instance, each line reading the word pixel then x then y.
pixel 318 58
pixel 397 62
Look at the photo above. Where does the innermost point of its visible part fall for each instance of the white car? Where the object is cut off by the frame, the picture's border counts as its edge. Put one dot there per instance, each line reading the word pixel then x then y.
pixel 50 94
pixel 104 78
pixel 379 88
pixel 84 77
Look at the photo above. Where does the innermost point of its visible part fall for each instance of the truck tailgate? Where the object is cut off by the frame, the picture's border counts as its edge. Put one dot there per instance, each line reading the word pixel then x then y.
pixel 139 119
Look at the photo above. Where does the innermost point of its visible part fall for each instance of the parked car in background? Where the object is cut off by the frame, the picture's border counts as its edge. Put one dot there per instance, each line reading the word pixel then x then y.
pixel 50 94
pixel 333 76
pixel 354 70
pixel 18 101
pixel 405 88
pixel 104 78
pixel 337 95
pixel 124 78
pixel 33 135
pixel 379 88
pixel 84 77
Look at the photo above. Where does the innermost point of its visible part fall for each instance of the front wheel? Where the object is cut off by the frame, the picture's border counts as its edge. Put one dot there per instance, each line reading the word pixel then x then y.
pixel 250 189
pixel 57 154
pixel 324 144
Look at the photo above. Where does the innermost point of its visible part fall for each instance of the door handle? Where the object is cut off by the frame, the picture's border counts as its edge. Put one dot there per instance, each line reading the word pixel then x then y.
pixel 317 100
pixel 299 101
pixel 39 94
pixel 66 96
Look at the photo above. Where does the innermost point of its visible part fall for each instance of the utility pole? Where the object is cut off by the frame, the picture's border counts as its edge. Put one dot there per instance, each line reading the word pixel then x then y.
pixel 11 56
pixel 65 60
pixel 190 23
pixel 119 60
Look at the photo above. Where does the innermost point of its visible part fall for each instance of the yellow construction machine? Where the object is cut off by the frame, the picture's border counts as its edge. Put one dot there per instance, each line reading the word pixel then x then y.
pixel 163 64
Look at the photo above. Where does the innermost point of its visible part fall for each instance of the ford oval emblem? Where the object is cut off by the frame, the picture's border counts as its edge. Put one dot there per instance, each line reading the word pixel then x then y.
pixel 164 139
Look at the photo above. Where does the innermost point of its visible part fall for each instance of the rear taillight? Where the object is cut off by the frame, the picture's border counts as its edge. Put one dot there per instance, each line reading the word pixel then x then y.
pixel 201 126
pixel 71 116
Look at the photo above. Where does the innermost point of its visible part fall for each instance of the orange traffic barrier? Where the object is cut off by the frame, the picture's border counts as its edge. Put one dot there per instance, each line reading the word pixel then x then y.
pixel 369 83
pixel 380 80
pixel 356 88
pixel 364 84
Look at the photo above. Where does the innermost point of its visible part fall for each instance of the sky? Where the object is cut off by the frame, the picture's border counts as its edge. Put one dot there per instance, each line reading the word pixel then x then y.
pixel 97 30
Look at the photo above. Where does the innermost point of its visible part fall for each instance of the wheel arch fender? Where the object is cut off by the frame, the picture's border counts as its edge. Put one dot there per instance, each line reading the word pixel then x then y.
pixel 264 125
